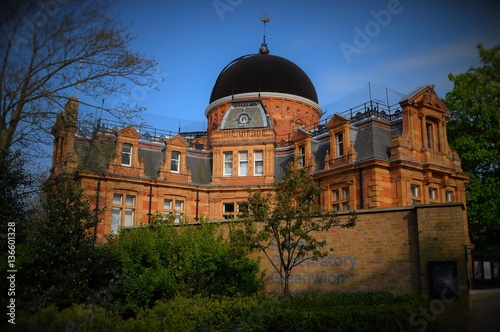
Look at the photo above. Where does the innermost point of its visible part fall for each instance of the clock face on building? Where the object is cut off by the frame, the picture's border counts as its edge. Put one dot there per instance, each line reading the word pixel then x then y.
pixel 243 118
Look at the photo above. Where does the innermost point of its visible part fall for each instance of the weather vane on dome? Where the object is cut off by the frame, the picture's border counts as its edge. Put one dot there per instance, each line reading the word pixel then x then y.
pixel 263 48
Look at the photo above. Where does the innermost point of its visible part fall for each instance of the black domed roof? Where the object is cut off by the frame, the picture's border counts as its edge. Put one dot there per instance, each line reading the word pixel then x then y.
pixel 263 73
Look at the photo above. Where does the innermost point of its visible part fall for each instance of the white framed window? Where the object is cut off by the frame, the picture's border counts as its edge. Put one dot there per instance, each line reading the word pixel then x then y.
pixel 345 193
pixel 302 156
pixel 175 161
pixel 122 212
pixel 449 196
pixel 243 163
pixel 336 195
pixel 258 159
pixel 339 139
pixel 228 163
pixel 126 154
pixel 167 208
pixel 179 211
pixel 415 190
pixel 432 193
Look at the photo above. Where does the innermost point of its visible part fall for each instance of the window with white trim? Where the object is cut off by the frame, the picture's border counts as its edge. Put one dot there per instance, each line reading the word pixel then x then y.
pixel 167 208
pixel 243 163
pixel 432 193
pixel 449 196
pixel 415 193
pixel 179 211
pixel 126 154
pixel 228 163
pixel 258 159
pixel 302 156
pixel 122 212
pixel 175 161
pixel 339 139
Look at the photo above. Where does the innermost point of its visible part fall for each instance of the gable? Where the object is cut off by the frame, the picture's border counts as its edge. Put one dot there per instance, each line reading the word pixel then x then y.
pixel 337 121
pixel 177 140
pixel 128 132
pixel 427 97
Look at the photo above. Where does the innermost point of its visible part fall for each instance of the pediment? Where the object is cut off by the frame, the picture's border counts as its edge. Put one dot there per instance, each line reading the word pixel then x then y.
pixel 427 97
pixel 128 132
pixel 177 140
pixel 300 134
pixel 337 121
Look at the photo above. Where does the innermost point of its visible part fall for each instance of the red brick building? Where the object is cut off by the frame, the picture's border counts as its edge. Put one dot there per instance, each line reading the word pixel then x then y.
pixel 263 114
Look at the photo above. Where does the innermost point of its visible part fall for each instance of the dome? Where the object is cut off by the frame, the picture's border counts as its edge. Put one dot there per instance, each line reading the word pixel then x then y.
pixel 263 73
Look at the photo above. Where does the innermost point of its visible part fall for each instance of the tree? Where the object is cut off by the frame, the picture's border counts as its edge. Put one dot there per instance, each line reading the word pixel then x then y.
pixel 15 189
pixel 60 263
pixel 474 132
pixel 289 220
pixel 53 50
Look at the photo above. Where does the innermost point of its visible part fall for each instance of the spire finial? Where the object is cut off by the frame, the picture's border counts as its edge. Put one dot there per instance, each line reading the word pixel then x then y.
pixel 263 47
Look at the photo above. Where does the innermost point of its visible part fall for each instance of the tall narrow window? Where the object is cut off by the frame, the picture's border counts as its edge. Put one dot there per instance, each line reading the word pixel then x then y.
pixel 175 162
pixel 179 211
pixel 415 193
pixel 127 154
pixel 258 159
pixel 339 138
pixel 449 196
pixel 122 212
pixel 243 161
pixel 432 193
pixel 167 208
pixel 302 155
pixel 430 135
pixel 228 163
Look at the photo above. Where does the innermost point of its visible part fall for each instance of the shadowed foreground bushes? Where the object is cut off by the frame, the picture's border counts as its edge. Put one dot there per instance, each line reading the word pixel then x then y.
pixel 374 311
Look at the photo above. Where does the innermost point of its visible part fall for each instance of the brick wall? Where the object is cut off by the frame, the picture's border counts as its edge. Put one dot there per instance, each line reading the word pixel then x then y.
pixel 387 250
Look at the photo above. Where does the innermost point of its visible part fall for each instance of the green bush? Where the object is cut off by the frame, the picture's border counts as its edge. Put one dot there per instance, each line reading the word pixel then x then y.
pixel 160 262
pixel 267 312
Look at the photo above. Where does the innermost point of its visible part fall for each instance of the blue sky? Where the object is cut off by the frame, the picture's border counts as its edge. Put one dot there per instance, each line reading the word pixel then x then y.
pixel 406 44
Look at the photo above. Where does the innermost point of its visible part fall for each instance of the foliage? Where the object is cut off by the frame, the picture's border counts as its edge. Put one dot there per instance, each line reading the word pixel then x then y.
pixel 474 132
pixel 377 311
pixel 61 265
pixel 161 261
pixel 288 220
pixel 50 51
pixel 15 187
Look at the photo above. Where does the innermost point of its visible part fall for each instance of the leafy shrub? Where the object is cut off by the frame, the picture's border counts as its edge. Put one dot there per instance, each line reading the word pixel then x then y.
pixel 266 312
pixel 160 262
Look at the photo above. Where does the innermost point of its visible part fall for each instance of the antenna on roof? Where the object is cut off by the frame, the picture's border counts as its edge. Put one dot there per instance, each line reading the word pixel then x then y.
pixel 263 47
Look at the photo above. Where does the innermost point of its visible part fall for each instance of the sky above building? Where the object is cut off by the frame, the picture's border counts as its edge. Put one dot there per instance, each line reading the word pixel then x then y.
pixel 347 48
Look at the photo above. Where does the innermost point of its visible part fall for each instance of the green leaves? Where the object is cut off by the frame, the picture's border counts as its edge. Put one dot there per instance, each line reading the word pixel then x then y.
pixel 288 220
pixel 162 261
pixel 474 132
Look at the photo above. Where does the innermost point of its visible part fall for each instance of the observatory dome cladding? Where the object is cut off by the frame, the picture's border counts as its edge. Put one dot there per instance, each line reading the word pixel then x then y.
pixel 263 73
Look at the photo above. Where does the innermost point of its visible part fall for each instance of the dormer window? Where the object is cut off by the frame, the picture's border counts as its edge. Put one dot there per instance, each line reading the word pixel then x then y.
pixel 175 161
pixel 339 139
pixel 127 154
pixel 302 156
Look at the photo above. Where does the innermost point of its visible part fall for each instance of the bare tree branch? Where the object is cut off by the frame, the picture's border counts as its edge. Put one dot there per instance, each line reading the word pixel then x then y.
pixel 53 50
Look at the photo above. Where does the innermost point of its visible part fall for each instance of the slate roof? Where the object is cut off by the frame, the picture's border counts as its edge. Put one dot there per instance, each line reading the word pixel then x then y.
pixel 201 168
pixel 152 160
pixel 94 155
